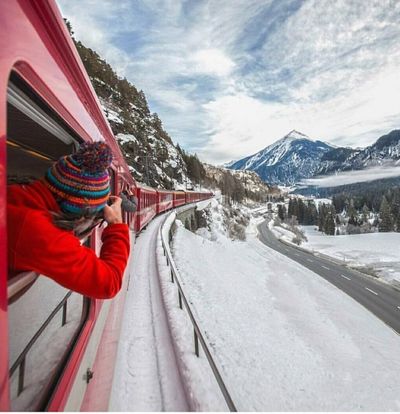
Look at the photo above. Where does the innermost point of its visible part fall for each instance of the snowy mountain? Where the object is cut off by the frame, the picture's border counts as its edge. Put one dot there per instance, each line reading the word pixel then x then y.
pixel 287 161
pixel 385 150
pixel 295 157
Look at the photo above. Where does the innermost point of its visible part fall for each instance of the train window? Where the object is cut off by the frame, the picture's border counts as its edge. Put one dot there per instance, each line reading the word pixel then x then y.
pixel 35 136
pixel 42 326
pixel 44 318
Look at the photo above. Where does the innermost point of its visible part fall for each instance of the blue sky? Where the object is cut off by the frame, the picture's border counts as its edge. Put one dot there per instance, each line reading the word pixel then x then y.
pixel 229 77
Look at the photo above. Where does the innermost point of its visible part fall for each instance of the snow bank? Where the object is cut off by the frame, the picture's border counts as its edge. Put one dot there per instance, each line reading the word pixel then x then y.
pixel 201 386
pixel 285 339
pixel 281 232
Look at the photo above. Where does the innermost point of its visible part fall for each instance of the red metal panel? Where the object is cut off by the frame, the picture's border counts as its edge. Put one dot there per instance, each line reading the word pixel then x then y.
pixel 98 391
pixel 4 386
pixel 60 396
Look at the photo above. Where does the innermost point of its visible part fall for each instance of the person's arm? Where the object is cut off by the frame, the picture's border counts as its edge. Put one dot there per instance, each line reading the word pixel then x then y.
pixel 59 255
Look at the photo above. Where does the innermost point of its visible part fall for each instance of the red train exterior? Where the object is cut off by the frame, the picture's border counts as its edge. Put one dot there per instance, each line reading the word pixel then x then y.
pixel 43 81
pixel 194 196
pixel 179 198
pixel 147 206
pixel 165 201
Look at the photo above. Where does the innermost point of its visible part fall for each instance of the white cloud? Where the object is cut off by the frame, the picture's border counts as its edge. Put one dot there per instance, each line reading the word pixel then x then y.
pixel 352 177
pixel 213 62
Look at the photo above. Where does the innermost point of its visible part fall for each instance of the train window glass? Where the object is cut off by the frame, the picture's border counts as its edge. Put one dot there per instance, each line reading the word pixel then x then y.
pixel 26 319
pixel 41 330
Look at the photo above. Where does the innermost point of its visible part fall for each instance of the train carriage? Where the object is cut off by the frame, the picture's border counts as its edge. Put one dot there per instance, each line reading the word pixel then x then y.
pixel 165 200
pixel 147 206
pixel 194 196
pixel 179 198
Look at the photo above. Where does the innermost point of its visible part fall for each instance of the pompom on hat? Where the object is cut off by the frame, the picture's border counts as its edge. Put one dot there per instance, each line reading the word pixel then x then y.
pixel 80 181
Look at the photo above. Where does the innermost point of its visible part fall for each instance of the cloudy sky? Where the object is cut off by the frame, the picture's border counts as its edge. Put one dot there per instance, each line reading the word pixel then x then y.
pixel 229 77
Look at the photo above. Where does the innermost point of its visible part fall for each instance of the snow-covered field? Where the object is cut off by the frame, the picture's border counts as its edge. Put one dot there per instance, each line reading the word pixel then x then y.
pixel 283 337
pixel 379 251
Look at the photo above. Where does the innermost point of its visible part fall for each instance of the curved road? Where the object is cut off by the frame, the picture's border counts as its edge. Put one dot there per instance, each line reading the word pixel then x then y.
pixel 381 299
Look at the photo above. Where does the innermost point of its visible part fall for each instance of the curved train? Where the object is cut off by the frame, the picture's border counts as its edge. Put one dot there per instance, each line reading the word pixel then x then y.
pixel 58 347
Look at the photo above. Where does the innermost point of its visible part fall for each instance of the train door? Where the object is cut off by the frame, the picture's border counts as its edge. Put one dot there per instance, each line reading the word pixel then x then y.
pixel 44 319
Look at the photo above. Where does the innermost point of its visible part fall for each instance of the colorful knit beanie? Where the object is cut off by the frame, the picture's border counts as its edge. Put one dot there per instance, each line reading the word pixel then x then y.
pixel 80 181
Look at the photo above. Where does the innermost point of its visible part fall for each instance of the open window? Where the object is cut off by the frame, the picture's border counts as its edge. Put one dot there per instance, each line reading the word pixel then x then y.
pixel 45 319
pixel 35 135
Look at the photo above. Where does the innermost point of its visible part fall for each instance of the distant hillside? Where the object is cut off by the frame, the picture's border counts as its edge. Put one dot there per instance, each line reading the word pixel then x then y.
pixel 246 184
pixel 385 150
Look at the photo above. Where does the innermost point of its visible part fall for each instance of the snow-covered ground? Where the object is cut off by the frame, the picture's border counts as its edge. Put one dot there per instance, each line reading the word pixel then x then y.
pixel 379 251
pixel 146 376
pixel 284 338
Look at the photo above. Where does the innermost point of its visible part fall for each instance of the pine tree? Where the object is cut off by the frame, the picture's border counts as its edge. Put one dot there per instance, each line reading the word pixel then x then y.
pixel 314 214
pixel 281 214
pixel 290 208
pixel 329 227
pixel 321 217
pixel 365 213
pixel 352 214
pixel 300 211
pixel 386 222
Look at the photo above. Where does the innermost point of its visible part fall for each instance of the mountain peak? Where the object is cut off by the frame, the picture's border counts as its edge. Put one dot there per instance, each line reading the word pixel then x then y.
pixel 293 134
pixel 286 161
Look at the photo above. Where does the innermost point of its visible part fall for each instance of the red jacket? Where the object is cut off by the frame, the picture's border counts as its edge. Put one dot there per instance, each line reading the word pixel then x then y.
pixel 36 244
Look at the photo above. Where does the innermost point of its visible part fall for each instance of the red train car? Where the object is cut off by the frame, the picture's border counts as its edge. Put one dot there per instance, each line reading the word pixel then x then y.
pixel 179 198
pixel 194 196
pixel 165 200
pixel 147 206
pixel 47 108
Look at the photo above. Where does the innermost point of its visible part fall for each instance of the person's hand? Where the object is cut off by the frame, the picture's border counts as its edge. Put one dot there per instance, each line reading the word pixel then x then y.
pixel 113 213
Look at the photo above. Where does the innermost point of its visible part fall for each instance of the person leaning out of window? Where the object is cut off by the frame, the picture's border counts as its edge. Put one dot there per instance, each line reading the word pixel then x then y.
pixel 46 217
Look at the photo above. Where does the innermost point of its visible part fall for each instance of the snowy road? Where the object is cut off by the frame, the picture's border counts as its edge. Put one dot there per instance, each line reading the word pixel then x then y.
pixel 146 377
pixel 381 299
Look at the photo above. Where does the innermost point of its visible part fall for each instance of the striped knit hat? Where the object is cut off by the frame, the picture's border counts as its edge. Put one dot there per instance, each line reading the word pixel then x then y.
pixel 80 181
